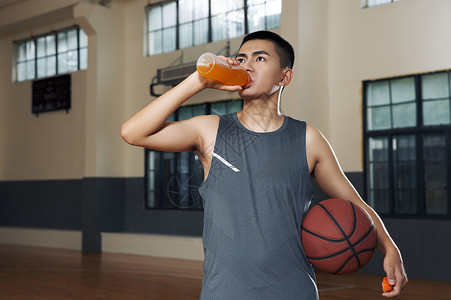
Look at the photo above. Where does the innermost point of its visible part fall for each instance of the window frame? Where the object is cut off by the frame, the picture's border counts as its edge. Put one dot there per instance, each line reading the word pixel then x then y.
pixel 369 4
pixel 210 16
pixel 419 131
pixel 57 53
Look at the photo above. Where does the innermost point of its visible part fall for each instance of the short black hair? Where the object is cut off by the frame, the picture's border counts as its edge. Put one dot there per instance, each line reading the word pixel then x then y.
pixel 283 47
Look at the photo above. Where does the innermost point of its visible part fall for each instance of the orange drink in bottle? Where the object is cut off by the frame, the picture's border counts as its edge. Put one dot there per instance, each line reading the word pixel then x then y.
pixel 211 66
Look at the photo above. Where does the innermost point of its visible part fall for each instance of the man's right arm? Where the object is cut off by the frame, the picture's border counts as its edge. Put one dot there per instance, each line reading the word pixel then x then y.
pixel 149 127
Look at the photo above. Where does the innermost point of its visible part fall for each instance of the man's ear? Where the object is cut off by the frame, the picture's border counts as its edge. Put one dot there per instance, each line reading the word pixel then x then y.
pixel 287 76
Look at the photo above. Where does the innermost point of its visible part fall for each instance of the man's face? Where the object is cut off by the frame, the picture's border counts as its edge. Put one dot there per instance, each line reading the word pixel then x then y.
pixel 261 61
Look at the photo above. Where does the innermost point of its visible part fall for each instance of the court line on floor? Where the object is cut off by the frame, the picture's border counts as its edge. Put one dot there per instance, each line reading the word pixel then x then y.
pixel 337 286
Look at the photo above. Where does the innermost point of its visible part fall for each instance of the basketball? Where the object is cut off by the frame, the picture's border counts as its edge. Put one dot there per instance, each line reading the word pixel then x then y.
pixel 338 236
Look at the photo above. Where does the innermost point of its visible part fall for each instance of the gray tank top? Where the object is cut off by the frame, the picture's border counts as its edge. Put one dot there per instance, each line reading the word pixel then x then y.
pixel 255 197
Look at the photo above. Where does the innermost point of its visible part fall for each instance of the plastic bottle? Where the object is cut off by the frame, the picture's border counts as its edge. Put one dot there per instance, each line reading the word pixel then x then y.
pixel 211 66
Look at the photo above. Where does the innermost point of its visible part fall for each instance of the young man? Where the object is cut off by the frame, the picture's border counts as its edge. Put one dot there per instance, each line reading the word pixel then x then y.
pixel 258 166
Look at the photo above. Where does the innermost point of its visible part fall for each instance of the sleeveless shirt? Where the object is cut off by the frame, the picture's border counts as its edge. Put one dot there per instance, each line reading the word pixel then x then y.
pixel 255 196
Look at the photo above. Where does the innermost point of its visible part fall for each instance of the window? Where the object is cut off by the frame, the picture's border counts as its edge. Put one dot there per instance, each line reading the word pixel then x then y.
pixel 187 23
pixel 408 145
pixel 193 22
pixel 227 19
pixel 370 3
pixel 173 179
pixel 62 52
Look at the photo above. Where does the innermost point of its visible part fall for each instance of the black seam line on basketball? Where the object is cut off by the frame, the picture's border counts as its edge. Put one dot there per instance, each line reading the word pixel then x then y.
pixel 338 253
pixel 341 229
pixel 364 236
pixel 342 240
pixel 344 264
pixel 322 237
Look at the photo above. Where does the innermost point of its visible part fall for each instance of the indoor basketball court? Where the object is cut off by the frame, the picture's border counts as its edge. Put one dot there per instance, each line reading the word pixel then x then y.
pixel 106 193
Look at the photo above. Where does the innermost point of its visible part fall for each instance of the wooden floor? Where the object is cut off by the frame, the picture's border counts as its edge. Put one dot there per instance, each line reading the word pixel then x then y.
pixel 43 273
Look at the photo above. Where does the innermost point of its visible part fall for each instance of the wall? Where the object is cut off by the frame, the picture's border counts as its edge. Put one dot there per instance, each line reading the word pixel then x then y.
pixel 41 158
pixel 60 170
pixel 406 37
pixel 38 147
pixel 305 25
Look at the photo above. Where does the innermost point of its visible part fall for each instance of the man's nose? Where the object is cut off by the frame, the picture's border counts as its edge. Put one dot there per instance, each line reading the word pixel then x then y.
pixel 247 65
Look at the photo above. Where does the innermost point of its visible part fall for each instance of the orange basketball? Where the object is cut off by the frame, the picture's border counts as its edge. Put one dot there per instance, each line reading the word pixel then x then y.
pixel 338 236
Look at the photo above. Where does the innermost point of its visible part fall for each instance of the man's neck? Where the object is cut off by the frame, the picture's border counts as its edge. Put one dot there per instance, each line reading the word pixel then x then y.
pixel 260 116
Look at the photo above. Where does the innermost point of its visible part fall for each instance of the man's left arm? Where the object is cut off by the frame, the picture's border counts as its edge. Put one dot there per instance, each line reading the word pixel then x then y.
pixel 329 176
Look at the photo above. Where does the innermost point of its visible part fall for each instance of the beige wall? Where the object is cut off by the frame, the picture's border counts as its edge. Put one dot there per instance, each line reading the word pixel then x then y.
pixel 304 24
pixel 105 86
pixel 337 46
pixel 406 37
pixel 85 142
pixel 48 146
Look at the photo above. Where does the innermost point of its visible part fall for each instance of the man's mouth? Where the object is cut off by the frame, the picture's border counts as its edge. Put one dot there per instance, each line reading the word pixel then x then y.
pixel 248 84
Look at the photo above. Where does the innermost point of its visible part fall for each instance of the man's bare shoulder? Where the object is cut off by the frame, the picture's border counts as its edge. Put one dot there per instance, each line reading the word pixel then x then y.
pixel 206 120
pixel 317 146
pixel 205 123
pixel 312 135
